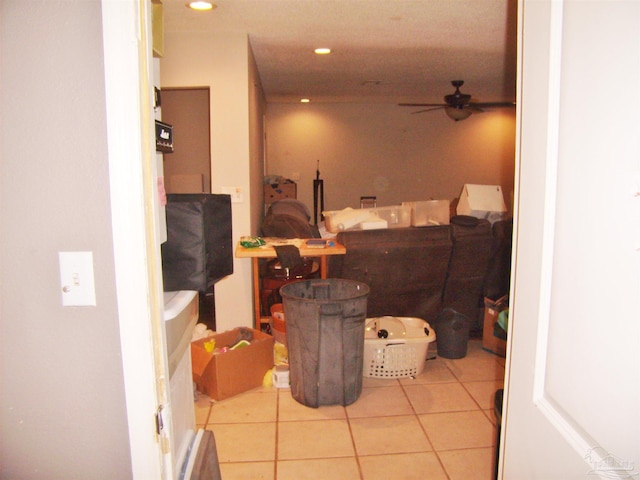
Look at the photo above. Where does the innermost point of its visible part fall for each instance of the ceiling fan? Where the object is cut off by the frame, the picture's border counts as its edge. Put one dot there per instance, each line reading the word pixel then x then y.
pixel 458 106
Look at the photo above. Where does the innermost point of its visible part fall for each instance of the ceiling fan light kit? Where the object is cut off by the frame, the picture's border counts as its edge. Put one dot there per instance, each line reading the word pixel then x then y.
pixel 457 113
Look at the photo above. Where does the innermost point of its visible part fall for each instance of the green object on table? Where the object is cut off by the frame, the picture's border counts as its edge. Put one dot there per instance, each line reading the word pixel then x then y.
pixel 252 242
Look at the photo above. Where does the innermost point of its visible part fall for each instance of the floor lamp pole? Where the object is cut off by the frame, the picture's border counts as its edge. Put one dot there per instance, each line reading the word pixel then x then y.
pixel 318 195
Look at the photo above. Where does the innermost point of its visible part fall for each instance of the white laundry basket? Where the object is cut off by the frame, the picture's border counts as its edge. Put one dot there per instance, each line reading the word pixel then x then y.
pixel 396 347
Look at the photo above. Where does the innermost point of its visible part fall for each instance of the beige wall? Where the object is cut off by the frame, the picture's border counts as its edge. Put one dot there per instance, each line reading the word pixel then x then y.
pixel 222 62
pixel 63 412
pixel 257 109
pixel 384 150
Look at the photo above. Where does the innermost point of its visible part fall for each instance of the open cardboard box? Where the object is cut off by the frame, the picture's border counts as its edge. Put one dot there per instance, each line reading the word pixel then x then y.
pixel 482 201
pixel 224 375
pixel 492 309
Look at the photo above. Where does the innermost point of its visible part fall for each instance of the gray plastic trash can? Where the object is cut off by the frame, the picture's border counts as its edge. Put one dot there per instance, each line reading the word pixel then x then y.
pixel 325 339
pixel 452 333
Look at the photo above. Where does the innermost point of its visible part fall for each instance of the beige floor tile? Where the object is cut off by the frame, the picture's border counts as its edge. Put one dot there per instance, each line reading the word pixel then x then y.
pixel 435 371
pixel 476 463
pixel 289 409
pixel 456 430
pixel 491 415
pixel 474 346
pixel 245 442
pixel 202 406
pixel 345 468
pixel 248 471
pixel 405 466
pixel 245 407
pixel 478 367
pixel 380 401
pixel 384 435
pixel 314 439
pixel 439 397
pixel 378 382
pixel 483 392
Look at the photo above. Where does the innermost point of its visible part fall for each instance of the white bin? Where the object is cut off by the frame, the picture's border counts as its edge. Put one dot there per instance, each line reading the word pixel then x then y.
pixel 396 347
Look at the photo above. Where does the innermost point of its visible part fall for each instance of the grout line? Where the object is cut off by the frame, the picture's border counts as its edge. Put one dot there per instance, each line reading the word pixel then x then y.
pixel 277 433
pixel 211 402
pixel 353 444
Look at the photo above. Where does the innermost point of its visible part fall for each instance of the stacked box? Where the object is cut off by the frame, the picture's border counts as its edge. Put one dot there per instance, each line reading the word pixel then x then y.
pixel 279 191
pixel 482 201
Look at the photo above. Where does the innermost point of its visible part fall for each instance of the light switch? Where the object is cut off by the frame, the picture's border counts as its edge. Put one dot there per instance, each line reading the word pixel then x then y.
pixel 235 192
pixel 77 282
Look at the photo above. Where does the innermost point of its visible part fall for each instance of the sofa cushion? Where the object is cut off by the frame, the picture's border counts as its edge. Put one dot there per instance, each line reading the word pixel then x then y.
pixel 472 246
pixel 499 269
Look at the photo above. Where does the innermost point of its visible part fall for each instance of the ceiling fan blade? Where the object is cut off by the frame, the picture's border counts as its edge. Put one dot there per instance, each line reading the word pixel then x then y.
pixel 428 109
pixel 493 104
pixel 422 105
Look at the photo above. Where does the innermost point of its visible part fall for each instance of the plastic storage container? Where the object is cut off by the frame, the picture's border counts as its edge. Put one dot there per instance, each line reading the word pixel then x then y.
pixel 430 212
pixel 396 347
pixel 452 329
pixel 395 216
pixel 325 339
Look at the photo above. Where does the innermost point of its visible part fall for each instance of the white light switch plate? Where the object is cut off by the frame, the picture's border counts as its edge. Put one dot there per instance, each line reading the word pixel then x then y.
pixel 77 282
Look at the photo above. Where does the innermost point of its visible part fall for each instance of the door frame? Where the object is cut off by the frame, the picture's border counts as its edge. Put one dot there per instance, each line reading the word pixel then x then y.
pixel 135 213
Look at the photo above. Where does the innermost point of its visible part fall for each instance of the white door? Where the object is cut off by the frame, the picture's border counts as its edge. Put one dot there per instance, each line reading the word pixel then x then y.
pixel 572 389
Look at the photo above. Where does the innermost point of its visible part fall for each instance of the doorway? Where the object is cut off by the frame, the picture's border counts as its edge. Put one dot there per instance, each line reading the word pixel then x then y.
pixel 188 168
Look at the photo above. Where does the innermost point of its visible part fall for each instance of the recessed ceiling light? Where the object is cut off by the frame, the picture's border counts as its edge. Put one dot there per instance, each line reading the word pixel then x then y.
pixel 322 51
pixel 304 100
pixel 201 5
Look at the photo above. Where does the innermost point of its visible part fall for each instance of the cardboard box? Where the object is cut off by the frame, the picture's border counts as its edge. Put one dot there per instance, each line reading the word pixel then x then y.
pixel 492 309
pixel 224 375
pixel 482 201
pixel 429 212
pixel 278 191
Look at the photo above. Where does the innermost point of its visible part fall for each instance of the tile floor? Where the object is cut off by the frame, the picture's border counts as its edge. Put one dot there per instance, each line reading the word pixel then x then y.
pixel 439 426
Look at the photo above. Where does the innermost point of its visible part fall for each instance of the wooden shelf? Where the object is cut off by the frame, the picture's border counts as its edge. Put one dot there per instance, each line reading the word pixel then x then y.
pixel 157 27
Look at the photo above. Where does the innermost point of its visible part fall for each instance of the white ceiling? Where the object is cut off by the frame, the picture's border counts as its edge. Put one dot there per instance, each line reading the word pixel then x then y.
pixel 413 48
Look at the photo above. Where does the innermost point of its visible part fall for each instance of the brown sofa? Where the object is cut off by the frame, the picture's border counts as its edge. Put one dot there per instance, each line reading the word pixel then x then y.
pixel 419 271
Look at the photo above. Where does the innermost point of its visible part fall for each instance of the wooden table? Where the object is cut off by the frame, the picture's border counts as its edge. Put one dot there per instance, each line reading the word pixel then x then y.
pixel 268 251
